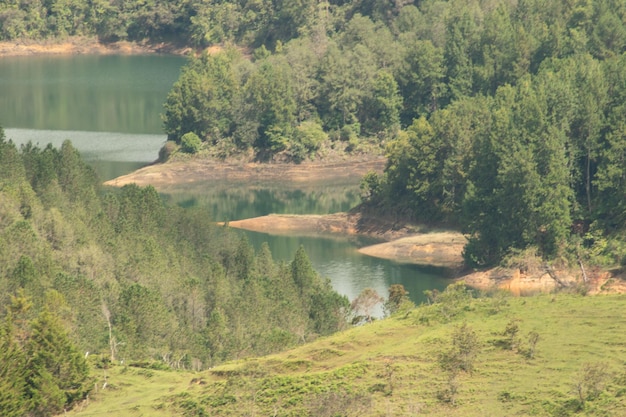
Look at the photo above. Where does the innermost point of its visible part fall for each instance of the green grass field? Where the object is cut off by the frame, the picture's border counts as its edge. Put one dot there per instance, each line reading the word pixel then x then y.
pixel 392 368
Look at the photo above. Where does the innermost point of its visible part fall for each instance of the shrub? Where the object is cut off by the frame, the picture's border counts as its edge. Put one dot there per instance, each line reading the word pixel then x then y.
pixel 190 143
pixel 311 135
pixel 167 150
pixel 371 187
pixel 450 302
pixel 350 132
pixel 590 381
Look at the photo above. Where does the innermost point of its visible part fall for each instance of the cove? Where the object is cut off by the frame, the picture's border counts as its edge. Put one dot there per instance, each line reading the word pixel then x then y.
pixel 109 107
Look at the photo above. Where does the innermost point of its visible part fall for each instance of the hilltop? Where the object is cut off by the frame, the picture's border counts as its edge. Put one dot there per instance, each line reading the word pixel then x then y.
pixel 548 355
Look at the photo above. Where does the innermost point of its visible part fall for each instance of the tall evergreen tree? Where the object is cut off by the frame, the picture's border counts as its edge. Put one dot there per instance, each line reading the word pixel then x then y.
pixel 57 373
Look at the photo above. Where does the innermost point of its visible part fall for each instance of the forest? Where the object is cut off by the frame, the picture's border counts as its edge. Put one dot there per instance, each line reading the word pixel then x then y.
pixel 121 275
pixel 501 119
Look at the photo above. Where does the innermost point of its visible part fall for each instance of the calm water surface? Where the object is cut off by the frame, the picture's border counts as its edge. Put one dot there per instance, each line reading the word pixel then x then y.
pixel 86 93
pixel 110 106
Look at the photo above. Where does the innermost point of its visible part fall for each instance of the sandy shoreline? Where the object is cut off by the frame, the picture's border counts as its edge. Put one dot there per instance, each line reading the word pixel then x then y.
pixel 187 172
pixel 86 46
pixel 441 249
pixel 434 248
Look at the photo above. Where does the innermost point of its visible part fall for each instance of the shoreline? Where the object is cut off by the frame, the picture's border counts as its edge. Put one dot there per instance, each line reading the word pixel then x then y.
pixel 417 245
pixel 168 174
pixel 407 244
pixel 80 45
pixel 404 245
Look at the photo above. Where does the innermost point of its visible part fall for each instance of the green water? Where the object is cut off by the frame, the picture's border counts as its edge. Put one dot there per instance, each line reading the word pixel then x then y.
pixel 110 106
pixel 86 93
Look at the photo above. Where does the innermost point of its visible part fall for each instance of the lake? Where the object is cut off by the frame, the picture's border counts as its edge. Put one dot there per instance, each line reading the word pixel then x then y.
pixel 110 106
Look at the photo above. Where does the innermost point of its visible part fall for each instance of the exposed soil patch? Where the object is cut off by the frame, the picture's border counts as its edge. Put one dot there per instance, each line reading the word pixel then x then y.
pixel 405 245
pixel 413 244
pixel 185 172
pixel 439 249
pixel 90 46
pixel 402 243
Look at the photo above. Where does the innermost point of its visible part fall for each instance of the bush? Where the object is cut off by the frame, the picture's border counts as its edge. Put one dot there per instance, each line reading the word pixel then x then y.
pixel 349 132
pixel 311 135
pixel 167 150
pixel 190 143
pixel 590 381
pixel 450 302
pixel 371 187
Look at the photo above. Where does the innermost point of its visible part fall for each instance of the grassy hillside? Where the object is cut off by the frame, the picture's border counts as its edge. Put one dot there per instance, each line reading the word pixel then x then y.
pixel 394 367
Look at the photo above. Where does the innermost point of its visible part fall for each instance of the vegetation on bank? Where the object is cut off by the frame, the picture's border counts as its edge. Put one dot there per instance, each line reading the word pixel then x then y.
pixel 547 355
pixel 88 270
pixel 504 120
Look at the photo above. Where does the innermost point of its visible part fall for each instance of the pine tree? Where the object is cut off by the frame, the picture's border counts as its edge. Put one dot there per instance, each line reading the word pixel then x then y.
pixel 57 373
pixel 12 372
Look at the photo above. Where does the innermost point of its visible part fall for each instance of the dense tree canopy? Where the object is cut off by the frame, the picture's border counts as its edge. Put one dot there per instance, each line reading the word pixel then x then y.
pixel 120 274
pixel 503 119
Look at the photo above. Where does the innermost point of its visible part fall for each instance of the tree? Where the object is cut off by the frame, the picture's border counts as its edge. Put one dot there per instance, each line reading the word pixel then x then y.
pixel 398 297
pixel 13 371
pixel 328 310
pixel 57 373
pixel 143 319
pixel 365 303
pixel 420 78
pixel 202 100
pixel 270 95
pixel 587 125
pixel 413 169
pixel 458 54
pixel 519 185
pixel 499 51
pixel 380 113
pixel 302 272
pixel 346 76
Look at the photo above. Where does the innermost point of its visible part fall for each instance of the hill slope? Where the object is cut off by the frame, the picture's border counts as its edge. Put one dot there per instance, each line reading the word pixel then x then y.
pixel 395 367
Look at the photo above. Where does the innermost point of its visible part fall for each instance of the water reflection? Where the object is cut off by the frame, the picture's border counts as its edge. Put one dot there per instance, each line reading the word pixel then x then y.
pixel 235 201
pixel 334 257
pixel 88 93
pixel 349 271
pixel 88 98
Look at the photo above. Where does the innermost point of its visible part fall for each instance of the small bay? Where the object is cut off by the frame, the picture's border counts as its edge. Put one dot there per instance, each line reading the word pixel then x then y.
pixel 110 106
